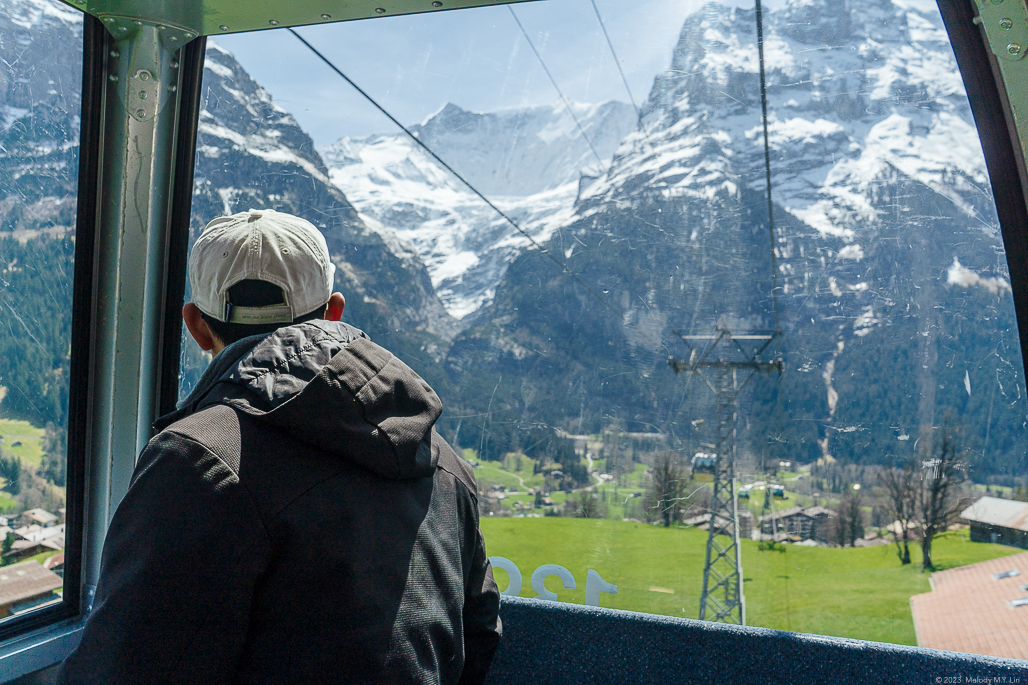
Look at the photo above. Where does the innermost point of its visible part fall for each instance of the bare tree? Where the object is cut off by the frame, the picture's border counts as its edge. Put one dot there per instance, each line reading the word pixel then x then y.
pixel 590 506
pixel 847 526
pixel 939 496
pixel 667 488
pixel 900 486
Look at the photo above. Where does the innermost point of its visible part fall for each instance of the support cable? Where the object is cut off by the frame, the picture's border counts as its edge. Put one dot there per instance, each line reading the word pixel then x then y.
pixel 567 105
pixel 563 267
pixel 614 54
pixel 774 270
pixel 767 166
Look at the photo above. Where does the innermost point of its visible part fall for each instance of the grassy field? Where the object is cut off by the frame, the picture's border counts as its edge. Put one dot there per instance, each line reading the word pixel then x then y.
pixel 859 593
pixel 30 451
pixel 7 503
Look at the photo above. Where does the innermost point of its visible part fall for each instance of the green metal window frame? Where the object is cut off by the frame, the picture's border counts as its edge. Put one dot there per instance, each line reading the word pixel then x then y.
pixel 137 264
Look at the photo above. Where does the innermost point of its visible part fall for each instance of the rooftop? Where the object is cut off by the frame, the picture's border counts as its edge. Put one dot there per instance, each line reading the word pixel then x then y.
pixel 998 512
pixel 969 610
pixel 26 580
pixel 39 515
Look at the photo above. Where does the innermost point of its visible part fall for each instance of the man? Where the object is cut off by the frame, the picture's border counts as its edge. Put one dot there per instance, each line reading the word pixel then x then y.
pixel 297 519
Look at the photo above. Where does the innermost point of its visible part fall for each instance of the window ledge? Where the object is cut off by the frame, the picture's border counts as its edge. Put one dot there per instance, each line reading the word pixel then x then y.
pixel 567 643
pixel 39 649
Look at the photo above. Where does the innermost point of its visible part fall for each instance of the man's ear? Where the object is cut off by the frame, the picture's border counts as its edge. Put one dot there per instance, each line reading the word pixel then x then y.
pixel 335 306
pixel 198 328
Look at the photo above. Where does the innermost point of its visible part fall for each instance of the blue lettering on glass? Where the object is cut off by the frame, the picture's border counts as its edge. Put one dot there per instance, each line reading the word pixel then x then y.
pixel 540 575
pixel 514 586
pixel 594 583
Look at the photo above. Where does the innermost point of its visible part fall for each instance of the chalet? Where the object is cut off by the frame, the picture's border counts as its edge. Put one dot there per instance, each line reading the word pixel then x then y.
pixel 23 549
pixel 799 523
pixel 998 520
pixel 820 517
pixel 40 517
pixel 25 586
pixel 36 532
pixel 34 539
pixel 702 521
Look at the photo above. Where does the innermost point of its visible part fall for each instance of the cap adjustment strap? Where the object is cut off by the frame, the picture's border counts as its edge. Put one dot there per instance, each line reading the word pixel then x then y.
pixel 276 313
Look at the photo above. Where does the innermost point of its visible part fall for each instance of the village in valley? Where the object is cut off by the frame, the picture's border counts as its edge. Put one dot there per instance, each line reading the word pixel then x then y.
pixel 32 517
pixel 857 522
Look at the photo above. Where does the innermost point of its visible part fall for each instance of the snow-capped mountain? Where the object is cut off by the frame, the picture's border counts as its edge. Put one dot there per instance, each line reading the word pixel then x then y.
pixel 892 282
pixel 40 82
pixel 886 246
pixel 856 96
pixel 529 162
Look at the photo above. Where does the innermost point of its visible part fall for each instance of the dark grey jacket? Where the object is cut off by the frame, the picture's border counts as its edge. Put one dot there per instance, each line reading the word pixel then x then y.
pixel 299 521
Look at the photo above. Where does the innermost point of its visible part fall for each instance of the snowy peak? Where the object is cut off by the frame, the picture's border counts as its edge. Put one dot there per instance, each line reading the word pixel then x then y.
pixel 246 116
pixel 854 95
pixel 40 48
pixel 513 152
pixel 251 153
pixel 527 161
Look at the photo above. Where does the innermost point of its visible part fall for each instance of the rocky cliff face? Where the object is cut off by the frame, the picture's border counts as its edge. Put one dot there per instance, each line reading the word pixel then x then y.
pixel 892 292
pixel 527 161
pixel 40 84
pixel 891 282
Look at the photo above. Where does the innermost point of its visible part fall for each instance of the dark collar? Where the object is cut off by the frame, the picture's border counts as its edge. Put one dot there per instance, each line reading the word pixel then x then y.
pixel 222 363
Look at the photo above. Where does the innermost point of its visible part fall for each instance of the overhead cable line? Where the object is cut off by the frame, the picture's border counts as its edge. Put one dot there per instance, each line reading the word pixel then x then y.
pixel 769 506
pixel 767 166
pixel 563 266
pixel 614 54
pixel 567 104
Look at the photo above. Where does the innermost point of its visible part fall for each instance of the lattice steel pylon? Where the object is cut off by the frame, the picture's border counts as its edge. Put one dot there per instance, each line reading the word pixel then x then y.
pixel 732 359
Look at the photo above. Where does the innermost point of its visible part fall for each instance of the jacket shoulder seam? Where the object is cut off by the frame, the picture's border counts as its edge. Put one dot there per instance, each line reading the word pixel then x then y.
pixel 249 493
pixel 457 477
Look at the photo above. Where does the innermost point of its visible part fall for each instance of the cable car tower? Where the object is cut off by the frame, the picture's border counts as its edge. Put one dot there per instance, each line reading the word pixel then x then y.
pixel 726 361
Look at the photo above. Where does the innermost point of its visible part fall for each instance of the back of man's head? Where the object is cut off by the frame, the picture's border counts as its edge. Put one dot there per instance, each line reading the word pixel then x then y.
pixel 254 272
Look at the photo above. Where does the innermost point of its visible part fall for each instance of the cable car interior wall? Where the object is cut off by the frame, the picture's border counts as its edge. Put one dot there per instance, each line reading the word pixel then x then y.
pixel 794 267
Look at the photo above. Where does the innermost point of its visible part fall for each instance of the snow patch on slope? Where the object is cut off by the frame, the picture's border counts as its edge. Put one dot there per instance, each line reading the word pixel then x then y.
pixel 528 162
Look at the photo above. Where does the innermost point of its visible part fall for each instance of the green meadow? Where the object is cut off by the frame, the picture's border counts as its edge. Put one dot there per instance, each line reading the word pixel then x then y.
pixel 861 593
pixel 30 451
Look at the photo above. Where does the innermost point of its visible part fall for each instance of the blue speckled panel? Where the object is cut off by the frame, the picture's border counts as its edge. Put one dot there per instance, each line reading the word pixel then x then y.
pixel 553 643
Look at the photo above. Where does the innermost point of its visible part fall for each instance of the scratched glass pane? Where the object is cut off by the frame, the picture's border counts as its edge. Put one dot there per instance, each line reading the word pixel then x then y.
pixel 40 98
pixel 635 339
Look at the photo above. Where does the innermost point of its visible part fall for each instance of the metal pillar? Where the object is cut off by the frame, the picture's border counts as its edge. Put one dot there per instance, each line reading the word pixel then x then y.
pixel 725 355
pixel 722 573
pixel 135 184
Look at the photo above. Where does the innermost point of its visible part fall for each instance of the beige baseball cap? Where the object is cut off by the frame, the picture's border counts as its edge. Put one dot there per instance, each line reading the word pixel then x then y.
pixel 262 245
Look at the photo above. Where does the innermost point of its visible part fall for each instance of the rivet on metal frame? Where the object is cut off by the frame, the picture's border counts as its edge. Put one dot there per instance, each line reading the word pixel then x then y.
pixel 1006 24
pixel 1014 49
pixel 144 95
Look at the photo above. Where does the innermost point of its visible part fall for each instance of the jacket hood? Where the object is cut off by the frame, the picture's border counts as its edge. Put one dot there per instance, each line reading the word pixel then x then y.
pixel 327 384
